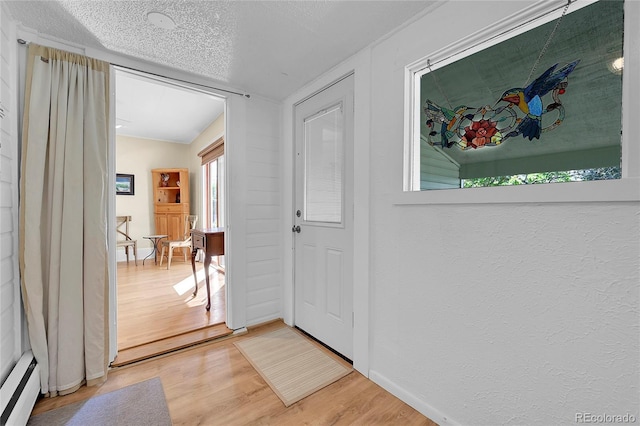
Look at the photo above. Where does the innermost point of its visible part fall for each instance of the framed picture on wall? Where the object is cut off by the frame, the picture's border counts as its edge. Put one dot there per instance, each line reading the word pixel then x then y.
pixel 125 184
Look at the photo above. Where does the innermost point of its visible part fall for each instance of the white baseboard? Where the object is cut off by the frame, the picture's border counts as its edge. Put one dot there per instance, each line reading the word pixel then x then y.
pixel 409 398
pixel 142 253
pixel 240 331
pixel 146 251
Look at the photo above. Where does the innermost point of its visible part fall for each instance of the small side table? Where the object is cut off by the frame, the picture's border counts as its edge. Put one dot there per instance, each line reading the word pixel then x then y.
pixel 211 241
pixel 154 239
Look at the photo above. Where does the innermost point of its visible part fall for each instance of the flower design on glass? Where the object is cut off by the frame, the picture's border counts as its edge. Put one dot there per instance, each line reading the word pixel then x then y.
pixel 481 133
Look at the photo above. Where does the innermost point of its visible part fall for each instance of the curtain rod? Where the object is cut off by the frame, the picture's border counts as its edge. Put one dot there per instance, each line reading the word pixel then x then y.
pixel 246 95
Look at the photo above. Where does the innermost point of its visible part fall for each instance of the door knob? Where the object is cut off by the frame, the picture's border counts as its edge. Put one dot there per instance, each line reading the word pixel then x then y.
pixel 296 228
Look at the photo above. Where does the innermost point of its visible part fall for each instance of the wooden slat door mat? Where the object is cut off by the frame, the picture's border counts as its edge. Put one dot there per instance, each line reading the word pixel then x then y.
pixel 291 364
pixel 170 344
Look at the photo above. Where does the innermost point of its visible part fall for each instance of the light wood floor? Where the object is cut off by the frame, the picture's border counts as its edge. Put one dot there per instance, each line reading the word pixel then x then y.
pixel 213 384
pixel 155 303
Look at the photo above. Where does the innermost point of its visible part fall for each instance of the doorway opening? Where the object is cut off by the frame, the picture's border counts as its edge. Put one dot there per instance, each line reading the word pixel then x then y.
pixel 164 125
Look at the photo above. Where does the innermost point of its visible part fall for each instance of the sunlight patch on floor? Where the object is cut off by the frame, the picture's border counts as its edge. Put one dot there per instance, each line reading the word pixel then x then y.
pixel 187 284
pixel 197 301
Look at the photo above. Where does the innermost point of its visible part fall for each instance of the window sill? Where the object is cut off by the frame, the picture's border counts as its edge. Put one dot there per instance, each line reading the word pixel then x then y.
pixel 611 191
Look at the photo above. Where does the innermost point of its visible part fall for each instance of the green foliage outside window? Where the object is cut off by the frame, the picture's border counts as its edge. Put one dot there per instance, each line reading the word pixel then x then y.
pixel 603 173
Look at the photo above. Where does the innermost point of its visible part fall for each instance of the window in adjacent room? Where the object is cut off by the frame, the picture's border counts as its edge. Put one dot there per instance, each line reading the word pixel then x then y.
pixel 213 184
pixel 213 197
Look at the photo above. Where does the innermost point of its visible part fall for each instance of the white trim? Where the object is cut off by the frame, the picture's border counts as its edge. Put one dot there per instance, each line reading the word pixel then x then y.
pixel 631 91
pixel 142 252
pixel 507 28
pixel 111 228
pixel 235 233
pixel 411 155
pixel 432 413
pixel 362 212
pixel 288 191
pixel 622 190
pixel 604 191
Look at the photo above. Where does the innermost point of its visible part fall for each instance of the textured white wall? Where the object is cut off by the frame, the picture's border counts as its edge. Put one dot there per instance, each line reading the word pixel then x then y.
pixel 486 314
pixel 510 314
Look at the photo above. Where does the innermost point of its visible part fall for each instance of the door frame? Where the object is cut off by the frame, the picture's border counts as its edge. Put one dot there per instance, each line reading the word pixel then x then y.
pixel 358 65
pixel 111 201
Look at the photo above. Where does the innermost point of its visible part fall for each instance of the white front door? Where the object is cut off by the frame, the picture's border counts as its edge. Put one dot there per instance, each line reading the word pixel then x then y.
pixel 323 216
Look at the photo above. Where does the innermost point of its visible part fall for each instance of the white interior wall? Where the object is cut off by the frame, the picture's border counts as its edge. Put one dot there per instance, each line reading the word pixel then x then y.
pixel 254 209
pixel 11 318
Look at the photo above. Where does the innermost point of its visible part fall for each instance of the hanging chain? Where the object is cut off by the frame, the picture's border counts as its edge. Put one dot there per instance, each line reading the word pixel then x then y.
pixel 435 79
pixel 533 69
pixel 546 45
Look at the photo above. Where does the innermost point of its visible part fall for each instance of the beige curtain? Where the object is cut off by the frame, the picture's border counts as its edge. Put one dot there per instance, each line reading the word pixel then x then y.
pixel 63 217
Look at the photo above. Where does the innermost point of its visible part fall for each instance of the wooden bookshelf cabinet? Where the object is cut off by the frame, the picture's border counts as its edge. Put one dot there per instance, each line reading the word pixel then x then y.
pixel 170 201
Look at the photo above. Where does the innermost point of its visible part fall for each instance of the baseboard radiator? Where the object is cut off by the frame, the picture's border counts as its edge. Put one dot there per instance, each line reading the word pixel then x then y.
pixel 20 391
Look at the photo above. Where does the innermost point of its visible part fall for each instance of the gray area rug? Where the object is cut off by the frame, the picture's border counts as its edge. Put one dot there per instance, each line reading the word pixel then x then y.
pixel 141 404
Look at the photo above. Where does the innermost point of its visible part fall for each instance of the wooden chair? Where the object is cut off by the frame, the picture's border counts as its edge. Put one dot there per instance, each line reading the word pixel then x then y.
pixel 127 242
pixel 189 223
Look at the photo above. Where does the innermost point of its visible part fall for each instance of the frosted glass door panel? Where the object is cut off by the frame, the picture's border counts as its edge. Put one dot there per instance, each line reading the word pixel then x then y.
pixel 323 166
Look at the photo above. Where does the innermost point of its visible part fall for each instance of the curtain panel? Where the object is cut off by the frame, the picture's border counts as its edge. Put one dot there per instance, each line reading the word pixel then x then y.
pixel 63 217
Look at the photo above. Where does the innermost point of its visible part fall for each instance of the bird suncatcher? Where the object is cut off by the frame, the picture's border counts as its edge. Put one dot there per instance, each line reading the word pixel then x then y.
pixel 518 112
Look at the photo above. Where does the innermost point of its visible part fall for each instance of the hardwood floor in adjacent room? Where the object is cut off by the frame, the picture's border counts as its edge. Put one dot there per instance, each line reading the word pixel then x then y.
pixel 155 303
pixel 213 384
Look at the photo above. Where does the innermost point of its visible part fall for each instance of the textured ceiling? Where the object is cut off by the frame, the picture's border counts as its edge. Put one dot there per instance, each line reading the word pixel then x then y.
pixel 269 48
